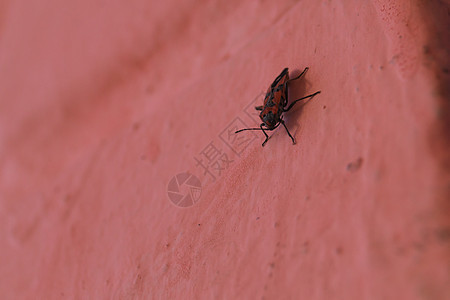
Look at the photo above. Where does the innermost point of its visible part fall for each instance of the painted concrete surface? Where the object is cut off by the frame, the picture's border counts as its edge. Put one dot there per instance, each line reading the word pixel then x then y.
pixel 102 104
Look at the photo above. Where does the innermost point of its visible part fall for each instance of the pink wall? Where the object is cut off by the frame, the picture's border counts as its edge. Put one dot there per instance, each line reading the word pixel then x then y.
pixel 103 103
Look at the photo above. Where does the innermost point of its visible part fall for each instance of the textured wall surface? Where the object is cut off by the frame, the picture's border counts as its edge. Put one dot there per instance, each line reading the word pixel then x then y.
pixel 103 103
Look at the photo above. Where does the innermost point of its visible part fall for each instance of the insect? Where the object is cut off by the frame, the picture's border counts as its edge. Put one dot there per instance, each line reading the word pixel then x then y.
pixel 275 103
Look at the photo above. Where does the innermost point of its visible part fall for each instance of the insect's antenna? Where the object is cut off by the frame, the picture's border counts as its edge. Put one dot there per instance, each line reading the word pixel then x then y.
pixel 247 129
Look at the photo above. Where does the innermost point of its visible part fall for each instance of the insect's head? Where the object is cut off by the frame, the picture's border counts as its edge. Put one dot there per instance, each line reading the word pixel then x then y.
pixel 268 117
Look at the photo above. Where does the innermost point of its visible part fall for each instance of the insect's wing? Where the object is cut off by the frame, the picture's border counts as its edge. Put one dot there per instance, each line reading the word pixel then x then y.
pixel 280 90
pixel 284 76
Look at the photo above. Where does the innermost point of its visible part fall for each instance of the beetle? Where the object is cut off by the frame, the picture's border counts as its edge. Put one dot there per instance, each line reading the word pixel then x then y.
pixel 275 103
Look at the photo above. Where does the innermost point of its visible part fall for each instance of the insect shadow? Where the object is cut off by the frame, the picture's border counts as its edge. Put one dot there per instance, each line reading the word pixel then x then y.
pixel 296 90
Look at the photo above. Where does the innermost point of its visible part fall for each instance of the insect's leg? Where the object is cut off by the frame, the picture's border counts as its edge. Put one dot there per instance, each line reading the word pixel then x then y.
pixel 282 122
pixel 259 107
pixel 293 103
pixel 260 128
pixel 267 137
pixel 301 74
